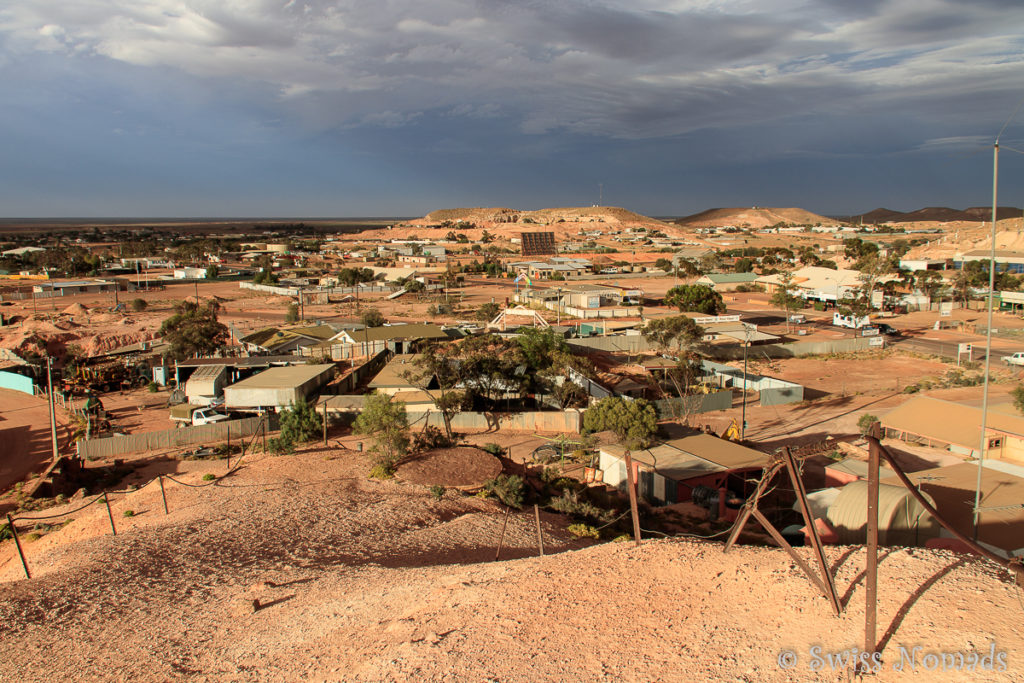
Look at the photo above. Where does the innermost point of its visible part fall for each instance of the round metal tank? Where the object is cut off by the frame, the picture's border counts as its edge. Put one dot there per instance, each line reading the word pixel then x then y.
pixel 901 518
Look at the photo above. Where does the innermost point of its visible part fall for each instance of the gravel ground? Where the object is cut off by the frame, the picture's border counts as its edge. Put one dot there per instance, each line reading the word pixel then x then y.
pixel 356 579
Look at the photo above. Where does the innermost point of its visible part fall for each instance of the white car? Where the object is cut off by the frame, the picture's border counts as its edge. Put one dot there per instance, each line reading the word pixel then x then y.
pixel 1015 359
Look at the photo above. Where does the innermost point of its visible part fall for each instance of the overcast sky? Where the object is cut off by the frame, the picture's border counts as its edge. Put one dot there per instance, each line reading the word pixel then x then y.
pixel 397 107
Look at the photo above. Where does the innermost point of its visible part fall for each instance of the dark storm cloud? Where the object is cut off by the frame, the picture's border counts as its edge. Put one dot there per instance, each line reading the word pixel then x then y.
pixel 765 79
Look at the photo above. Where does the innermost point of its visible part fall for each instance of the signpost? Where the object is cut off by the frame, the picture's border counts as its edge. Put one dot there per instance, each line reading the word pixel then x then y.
pixel 962 349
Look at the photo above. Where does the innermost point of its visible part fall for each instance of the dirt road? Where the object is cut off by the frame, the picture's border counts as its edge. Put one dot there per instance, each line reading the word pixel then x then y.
pixel 25 434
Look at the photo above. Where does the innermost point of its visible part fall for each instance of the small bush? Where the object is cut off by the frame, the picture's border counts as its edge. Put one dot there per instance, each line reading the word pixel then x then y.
pixel 34 536
pixel 865 423
pixel 584 531
pixel 209 477
pixel 437 491
pixel 139 305
pixel 494 449
pixel 153 387
pixel 280 446
pixel 381 471
pixel 429 439
pixel 508 488
pixel 131 513
pixel 292 314
pixel 622 538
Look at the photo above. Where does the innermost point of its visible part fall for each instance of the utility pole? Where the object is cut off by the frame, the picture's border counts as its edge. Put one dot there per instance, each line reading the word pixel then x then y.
pixel 53 407
pixel 743 418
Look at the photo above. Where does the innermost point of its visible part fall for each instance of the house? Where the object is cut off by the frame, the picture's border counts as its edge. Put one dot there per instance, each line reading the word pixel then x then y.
pixel 372 340
pixel 277 388
pixel 190 273
pixel 726 282
pixel 667 473
pixel 561 267
pixel 956 427
pixel 21 251
pixel 816 283
pixel 70 287
pixel 279 341
pixel 1008 261
pixel 401 375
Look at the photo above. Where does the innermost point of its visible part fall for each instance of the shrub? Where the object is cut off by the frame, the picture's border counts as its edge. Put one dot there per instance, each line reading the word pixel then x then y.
pixel 280 446
pixel 153 387
pixel 584 531
pixel 131 513
pixel 865 423
pixel 431 437
pixel 209 477
pixel 437 491
pixel 382 471
pixel 508 488
pixel 494 449
pixel 139 304
pixel 569 503
pixel 292 314
pixel 300 422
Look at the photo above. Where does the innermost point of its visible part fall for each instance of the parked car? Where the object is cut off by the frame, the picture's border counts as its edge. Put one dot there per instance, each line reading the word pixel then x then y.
pixel 1015 359
pixel 887 329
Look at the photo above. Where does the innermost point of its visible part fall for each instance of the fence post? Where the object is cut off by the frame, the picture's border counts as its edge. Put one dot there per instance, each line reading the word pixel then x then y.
pixel 228 425
pixel 17 543
pixel 163 495
pixel 631 481
pixel 540 538
pixel 501 538
pixel 110 515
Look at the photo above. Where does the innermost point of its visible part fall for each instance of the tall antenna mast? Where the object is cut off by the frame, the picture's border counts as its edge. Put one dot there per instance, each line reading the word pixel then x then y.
pixel 600 194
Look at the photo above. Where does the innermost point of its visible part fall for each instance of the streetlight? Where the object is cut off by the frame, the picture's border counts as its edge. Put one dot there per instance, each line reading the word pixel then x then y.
pixel 746 344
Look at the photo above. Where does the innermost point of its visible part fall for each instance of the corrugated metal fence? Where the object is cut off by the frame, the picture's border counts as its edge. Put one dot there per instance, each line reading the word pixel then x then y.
pixel 169 438
pixel 12 380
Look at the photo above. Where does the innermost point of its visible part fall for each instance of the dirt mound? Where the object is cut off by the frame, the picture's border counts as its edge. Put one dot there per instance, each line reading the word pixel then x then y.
pixel 588 214
pixel 460 467
pixel 753 217
pixel 76 309
pixel 108 341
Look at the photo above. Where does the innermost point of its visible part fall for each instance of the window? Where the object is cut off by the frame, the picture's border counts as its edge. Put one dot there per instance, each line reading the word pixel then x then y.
pixel 996 442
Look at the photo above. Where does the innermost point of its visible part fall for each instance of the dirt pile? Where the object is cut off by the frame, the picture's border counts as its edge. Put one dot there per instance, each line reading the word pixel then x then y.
pixel 754 217
pixel 76 309
pixel 300 568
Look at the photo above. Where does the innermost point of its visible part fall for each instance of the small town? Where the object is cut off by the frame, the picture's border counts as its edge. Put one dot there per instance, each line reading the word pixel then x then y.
pixel 454 341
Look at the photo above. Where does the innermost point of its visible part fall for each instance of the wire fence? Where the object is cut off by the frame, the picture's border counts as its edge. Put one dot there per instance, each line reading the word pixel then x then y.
pixel 104 497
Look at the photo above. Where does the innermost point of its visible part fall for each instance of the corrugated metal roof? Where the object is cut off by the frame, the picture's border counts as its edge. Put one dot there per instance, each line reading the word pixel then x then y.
pixel 949 422
pixel 693 456
pixel 392 332
pixel 283 377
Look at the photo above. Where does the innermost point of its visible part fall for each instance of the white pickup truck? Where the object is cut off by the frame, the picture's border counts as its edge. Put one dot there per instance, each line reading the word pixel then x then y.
pixel 185 415
pixel 1015 359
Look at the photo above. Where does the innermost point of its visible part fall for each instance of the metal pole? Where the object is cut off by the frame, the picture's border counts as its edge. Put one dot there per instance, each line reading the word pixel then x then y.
pixel 743 419
pixel 501 538
pixel 988 338
pixel 53 407
pixel 871 576
pixel 163 494
pixel 17 543
pixel 325 422
pixel 110 515
pixel 540 538
pixel 631 480
pixel 229 445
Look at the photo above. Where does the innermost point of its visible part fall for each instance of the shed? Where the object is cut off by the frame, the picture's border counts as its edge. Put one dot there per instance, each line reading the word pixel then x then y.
pixel 278 387
pixel 901 518
pixel 206 384
pixel 668 473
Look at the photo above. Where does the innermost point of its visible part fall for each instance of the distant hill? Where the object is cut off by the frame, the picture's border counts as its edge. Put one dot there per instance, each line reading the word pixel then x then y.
pixel 940 214
pixel 753 218
pixel 585 214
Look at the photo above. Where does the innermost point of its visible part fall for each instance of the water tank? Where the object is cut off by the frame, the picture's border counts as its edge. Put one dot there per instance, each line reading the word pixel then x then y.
pixel 901 518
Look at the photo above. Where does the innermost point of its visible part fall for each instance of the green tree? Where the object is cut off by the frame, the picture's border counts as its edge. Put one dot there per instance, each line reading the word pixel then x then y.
pixel 931 284
pixel 300 422
pixel 212 271
pixel 695 298
pixel 1018 398
pixel 744 265
pixel 634 422
pixel 865 423
pixel 785 296
pixel 387 422
pixel 292 314
pixel 676 334
pixel 193 330
pixel 371 317
pixel 488 311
